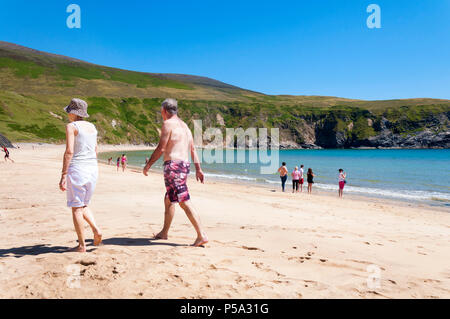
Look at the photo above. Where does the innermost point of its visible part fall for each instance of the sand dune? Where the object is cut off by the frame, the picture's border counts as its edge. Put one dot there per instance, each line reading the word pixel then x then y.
pixel 263 244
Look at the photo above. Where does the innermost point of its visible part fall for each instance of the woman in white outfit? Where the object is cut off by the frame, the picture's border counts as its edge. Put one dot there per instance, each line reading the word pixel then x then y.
pixel 80 171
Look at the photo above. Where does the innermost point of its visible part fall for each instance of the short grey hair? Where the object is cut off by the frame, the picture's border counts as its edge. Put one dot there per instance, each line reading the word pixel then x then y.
pixel 171 106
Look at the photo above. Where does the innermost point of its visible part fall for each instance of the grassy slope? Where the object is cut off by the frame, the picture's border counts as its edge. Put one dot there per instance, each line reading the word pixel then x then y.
pixel 34 86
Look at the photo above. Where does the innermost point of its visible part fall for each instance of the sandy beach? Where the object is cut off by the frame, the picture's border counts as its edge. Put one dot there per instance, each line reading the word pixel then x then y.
pixel 263 243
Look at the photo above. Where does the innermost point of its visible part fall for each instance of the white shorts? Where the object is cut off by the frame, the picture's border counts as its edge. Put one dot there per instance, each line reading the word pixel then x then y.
pixel 81 182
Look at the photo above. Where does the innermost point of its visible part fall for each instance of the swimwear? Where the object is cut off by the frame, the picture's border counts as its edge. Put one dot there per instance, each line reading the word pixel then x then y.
pixel 301 181
pixel 310 179
pixel 175 176
pixel 341 184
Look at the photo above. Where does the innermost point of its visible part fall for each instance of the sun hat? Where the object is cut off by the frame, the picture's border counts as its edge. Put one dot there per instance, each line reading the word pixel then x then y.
pixel 77 107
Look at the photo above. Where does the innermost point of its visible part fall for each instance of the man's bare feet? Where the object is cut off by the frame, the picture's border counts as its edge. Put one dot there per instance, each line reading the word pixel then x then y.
pixel 200 241
pixel 97 239
pixel 78 249
pixel 160 235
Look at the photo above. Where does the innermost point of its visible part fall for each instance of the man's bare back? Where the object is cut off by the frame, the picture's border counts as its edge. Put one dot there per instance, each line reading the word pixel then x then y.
pixel 176 142
pixel 179 141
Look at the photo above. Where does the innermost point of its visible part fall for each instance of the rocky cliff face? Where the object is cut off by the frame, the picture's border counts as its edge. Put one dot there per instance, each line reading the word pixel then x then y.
pixel 372 131
pixel 416 127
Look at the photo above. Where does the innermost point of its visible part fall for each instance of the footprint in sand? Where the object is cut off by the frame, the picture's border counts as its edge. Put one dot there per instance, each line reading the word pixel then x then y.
pixel 86 262
pixel 226 262
pixel 257 264
pixel 252 248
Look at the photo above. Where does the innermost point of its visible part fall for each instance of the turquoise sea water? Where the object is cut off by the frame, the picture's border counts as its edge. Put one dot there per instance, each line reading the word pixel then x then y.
pixel 412 175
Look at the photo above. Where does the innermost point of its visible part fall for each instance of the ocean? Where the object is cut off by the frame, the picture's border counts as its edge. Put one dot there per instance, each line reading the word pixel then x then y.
pixel 421 175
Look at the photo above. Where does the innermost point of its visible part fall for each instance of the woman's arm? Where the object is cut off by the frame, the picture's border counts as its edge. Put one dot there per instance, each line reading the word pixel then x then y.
pixel 68 154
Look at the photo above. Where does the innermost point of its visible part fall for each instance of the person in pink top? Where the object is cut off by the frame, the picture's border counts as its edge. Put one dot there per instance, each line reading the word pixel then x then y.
pixel 295 179
pixel 341 179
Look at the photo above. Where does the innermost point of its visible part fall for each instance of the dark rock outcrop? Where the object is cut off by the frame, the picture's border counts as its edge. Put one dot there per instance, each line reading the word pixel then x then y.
pixel 5 142
pixel 423 139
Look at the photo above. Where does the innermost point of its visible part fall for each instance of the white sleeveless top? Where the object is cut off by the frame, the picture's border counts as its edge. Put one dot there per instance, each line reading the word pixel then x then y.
pixel 85 143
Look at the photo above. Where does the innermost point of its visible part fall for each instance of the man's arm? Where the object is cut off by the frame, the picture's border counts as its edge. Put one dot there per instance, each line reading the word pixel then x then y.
pixel 68 154
pixel 198 169
pixel 164 139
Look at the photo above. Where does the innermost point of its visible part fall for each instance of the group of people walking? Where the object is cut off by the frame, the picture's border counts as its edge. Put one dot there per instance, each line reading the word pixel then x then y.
pixel 298 178
pixel 80 169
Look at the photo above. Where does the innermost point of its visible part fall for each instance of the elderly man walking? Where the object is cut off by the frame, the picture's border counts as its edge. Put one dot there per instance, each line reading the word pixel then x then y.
pixel 175 143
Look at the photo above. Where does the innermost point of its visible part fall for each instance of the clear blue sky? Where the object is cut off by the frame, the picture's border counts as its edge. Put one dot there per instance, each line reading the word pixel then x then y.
pixel 276 47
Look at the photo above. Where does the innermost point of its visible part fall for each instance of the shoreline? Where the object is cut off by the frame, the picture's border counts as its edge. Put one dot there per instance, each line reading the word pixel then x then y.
pixel 131 147
pixel 439 204
pixel 317 192
pixel 325 190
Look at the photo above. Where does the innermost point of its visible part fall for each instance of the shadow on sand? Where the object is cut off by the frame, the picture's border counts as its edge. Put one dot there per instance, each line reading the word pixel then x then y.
pixel 35 250
pixel 124 241
pixel 43 249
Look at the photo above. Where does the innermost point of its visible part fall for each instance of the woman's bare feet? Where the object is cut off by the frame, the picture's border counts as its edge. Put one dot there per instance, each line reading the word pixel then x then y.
pixel 160 235
pixel 78 249
pixel 200 241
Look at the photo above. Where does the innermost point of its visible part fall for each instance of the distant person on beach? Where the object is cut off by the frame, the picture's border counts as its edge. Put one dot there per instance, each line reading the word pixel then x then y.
pixel 310 180
pixel 124 162
pixel 295 179
pixel 342 182
pixel 7 155
pixel 118 163
pixel 176 142
pixel 80 170
pixel 110 161
pixel 283 175
pixel 300 181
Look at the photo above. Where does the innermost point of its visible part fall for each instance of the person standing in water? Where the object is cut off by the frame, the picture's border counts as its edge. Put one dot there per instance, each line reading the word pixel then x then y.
pixel 7 154
pixel 301 180
pixel 124 162
pixel 80 170
pixel 176 142
pixel 341 178
pixel 118 163
pixel 295 179
pixel 283 175
pixel 310 180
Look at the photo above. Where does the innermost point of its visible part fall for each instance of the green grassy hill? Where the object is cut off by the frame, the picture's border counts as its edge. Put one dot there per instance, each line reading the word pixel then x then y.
pixel 35 86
